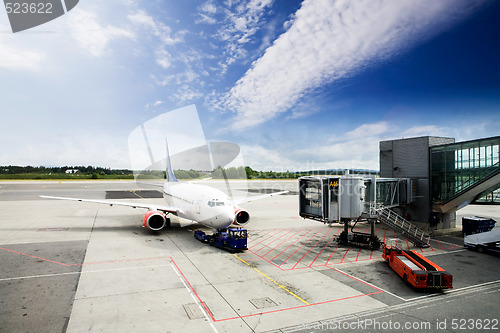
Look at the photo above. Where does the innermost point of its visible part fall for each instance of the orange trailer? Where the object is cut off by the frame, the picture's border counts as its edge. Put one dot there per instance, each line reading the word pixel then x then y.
pixel 416 270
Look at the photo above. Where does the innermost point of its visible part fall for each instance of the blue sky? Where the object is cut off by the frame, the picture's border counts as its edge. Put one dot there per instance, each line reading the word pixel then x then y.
pixel 297 84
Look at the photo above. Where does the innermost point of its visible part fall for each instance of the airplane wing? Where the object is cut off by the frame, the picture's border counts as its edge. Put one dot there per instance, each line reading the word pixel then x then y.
pixel 150 206
pixel 258 197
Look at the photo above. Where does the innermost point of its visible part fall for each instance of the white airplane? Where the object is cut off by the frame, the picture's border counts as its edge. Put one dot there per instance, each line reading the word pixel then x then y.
pixel 198 203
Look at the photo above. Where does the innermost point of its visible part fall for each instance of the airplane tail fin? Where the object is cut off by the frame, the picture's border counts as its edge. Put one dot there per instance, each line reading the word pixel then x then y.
pixel 170 173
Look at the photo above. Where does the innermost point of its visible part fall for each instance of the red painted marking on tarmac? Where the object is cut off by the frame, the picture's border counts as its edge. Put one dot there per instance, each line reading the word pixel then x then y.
pixel 291 245
pixel 279 237
pixel 439 243
pixel 281 243
pixel 325 247
pixel 331 254
pixel 194 291
pixel 452 245
pixel 299 248
pixel 385 232
pixel 34 257
pixel 345 255
pixel 408 245
pixel 358 255
pixel 311 248
pixel 378 291
pixel 198 296
pixel 261 235
pixel 345 262
pixel 299 307
pixel 253 245
pixel 89 263
pixel 268 261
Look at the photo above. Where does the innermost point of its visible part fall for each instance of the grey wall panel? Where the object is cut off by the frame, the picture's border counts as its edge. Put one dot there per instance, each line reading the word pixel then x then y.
pixel 411 158
pixel 386 164
pixel 437 141
pixel 386 145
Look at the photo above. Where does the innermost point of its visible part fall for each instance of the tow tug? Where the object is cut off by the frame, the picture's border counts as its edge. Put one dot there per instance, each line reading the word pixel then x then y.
pixel 415 269
pixel 230 239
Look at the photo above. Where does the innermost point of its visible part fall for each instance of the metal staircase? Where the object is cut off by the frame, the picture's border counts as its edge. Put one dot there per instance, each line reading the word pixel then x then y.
pixel 399 223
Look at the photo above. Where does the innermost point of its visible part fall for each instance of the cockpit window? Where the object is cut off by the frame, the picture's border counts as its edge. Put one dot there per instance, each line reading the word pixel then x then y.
pixel 216 203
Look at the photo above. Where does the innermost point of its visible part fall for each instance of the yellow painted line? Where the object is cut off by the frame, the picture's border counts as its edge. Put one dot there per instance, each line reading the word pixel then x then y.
pixel 133 191
pixel 274 281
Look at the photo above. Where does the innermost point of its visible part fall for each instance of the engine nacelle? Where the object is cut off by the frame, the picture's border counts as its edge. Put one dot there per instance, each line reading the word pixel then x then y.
pixel 241 216
pixel 155 220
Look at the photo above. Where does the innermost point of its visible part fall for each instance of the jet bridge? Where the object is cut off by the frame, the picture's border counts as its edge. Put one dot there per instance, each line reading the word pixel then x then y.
pixel 331 199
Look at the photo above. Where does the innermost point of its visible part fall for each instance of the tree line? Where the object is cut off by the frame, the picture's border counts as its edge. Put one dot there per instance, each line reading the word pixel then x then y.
pixel 91 172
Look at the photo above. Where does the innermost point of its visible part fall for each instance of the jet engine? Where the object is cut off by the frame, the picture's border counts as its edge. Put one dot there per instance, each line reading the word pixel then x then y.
pixel 155 220
pixel 241 216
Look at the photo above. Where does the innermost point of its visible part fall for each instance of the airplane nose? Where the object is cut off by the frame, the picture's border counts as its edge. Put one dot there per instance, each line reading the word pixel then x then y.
pixel 224 218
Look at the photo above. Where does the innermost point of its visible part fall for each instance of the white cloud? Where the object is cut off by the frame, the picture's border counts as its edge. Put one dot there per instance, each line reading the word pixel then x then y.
pixel 162 82
pixel 206 12
pixel 328 41
pixel 158 29
pixel 98 149
pixel 240 20
pixel 153 105
pixel 163 58
pixel 92 36
pixel 206 19
pixel 185 93
pixel 358 149
pixel 369 130
pixel 424 130
pixel 266 159
pixel 164 38
pixel 14 57
pixel 209 7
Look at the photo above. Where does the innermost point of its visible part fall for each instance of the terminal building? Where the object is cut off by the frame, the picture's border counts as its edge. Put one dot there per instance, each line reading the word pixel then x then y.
pixel 448 175
pixel 423 182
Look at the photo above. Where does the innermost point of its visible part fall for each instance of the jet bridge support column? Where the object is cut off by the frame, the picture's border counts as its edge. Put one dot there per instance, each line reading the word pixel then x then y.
pixel 361 239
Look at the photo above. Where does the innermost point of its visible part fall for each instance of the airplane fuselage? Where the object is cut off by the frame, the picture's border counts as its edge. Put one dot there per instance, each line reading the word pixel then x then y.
pixel 199 203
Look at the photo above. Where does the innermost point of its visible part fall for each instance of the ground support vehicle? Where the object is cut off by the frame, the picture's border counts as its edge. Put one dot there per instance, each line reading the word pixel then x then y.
pixel 416 270
pixel 230 239
pixel 476 224
pixel 488 241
